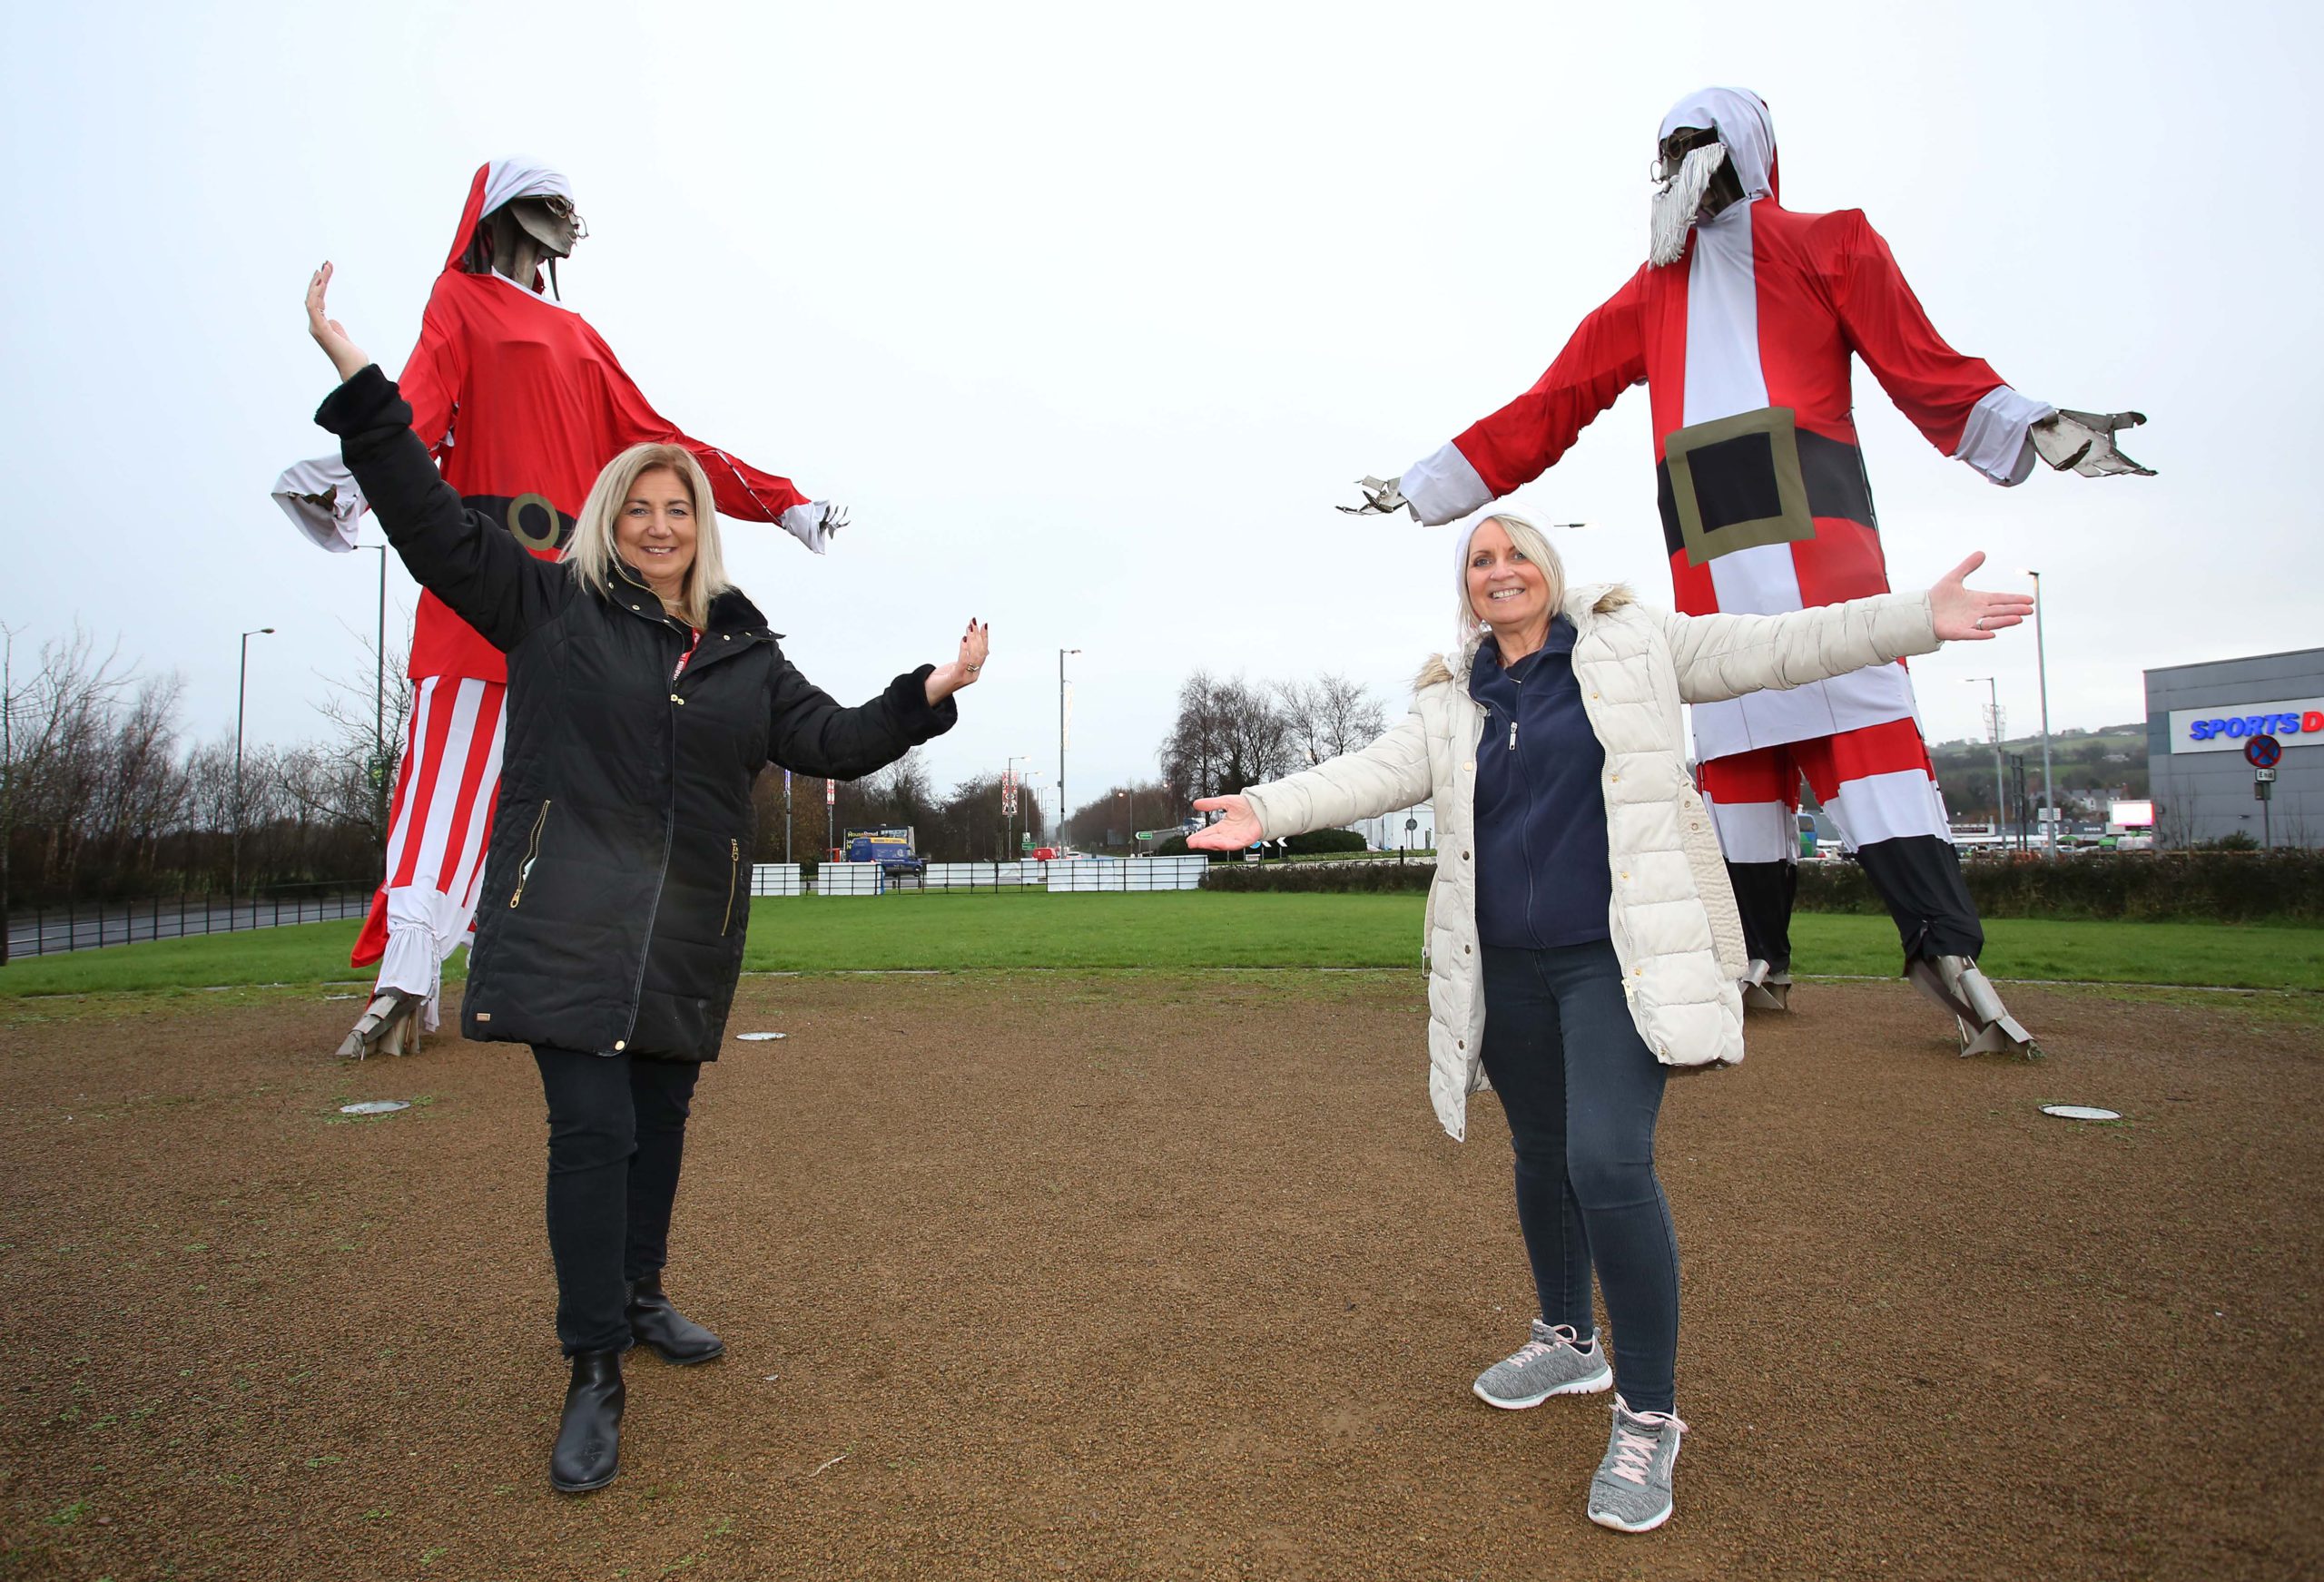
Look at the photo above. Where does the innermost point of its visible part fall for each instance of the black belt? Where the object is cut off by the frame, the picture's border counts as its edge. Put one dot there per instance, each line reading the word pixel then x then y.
pixel 539 526
pixel 1754 478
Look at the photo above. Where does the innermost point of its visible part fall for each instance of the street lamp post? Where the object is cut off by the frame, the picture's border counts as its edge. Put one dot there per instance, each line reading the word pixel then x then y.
pixel 1064 834
pixel 379 699
pixel 2042 668
pixel 241 693
pixel 1993 734
pixel 1009 836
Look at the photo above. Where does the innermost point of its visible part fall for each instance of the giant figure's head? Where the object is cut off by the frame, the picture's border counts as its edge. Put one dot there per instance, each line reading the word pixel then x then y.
pixel 519 215
pixel 1717 147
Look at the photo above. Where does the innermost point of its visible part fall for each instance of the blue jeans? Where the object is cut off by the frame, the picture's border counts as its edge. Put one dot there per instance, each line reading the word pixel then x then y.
pixel 1582 1091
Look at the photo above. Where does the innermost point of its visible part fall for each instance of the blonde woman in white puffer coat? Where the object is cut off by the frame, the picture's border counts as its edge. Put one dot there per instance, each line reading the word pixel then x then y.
pixel 1582 939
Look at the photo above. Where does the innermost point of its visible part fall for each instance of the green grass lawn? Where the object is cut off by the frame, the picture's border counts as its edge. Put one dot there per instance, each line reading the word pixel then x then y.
pixel 1193 930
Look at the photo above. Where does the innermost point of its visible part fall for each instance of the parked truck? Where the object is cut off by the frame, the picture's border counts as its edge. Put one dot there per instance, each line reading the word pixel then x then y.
pixel 891 848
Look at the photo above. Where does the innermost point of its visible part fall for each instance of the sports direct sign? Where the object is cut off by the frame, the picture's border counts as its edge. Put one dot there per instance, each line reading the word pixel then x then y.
pixel 2294 721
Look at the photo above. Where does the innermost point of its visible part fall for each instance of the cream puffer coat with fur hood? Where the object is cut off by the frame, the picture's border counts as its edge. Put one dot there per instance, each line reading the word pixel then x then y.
pixel 1672 918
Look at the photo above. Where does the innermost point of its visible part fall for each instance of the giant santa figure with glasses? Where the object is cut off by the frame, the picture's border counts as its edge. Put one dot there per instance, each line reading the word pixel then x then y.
pixel 523 403
pixel 1741 325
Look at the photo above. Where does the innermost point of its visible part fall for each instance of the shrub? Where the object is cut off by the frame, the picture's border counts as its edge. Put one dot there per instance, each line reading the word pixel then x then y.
pixel 2224 887
pixel 2135 886
pixel 1318 841
pixel 1374 877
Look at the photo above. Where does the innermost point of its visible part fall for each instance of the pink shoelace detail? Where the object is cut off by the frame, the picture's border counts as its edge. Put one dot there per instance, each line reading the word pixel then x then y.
pixel 1533 1349
pixel 1634 1453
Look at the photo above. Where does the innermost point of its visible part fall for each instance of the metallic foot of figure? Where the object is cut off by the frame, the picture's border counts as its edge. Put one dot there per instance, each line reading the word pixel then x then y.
pixel 389 1026
pixel 1986 1025
pixel 1764 988
pixel 588 1436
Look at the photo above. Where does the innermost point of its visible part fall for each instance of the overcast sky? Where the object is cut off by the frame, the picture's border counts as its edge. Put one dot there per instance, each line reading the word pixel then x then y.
pixel 1091 314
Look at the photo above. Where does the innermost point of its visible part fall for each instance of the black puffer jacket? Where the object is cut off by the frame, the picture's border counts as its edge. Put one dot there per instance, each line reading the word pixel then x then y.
pixel 616 889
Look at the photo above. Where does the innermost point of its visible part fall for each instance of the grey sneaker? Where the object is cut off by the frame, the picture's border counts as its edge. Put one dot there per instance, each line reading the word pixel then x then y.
pixel 1631 1493
pixel 1548 1364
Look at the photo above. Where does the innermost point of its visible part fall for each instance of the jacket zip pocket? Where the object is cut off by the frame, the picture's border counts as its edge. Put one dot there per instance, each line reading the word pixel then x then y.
pixel 531 854
pixel 733 873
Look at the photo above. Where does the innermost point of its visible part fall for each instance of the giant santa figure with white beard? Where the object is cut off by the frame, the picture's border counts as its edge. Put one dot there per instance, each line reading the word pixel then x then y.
pixel 523 404
pixel 1741 325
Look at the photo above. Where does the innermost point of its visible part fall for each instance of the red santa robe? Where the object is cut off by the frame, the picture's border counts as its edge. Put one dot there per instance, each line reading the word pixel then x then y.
pixel 1744 346
pixel 523 404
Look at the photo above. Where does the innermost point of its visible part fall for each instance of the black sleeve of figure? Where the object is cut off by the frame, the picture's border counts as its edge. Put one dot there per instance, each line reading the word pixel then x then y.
pixel 814 735
pixel 473 565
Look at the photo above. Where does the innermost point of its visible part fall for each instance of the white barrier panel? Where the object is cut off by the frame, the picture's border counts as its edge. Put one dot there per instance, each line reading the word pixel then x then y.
pixel 1136 874
pixel 980 875
pixel 848 879
pixel 776 878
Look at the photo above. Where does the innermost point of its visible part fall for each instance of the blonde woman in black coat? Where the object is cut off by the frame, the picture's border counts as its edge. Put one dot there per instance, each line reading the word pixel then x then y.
pixel 645 695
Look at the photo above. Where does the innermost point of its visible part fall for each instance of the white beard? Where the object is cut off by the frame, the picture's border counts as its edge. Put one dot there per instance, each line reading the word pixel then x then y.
pixel 1678 199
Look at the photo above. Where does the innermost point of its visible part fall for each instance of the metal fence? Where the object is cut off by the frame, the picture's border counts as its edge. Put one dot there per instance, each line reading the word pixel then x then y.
pixel 985 875
pixel 848 879
pixel 1126 873
pixel 91 925
pixel 777 879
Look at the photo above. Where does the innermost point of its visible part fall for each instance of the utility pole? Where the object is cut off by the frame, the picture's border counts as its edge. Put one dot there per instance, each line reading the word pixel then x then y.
pixel 2042 664
pixel 379 702
pixel 242 694
pixel 1064 812
pixel 7 775
pixel 1993 734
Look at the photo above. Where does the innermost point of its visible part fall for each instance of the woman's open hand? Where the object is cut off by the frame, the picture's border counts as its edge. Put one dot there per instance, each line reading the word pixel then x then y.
pixel 1237 829
pixel 946 679
pixel 345 356
pixel 1965 615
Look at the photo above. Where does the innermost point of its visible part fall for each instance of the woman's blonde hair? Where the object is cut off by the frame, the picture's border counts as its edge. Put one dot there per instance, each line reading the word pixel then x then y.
pixel 1528 541
pixel 595 550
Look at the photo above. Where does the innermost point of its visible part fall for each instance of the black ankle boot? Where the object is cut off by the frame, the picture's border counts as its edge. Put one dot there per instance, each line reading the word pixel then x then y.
pixel 654 1322
pixel 588 1439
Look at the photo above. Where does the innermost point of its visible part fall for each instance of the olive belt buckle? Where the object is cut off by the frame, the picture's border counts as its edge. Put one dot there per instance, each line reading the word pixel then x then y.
pixel 1736 484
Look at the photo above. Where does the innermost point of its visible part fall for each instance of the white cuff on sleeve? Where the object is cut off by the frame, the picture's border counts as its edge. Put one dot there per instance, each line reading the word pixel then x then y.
pixel 1994 440
pixel 322 499
pixel 1444 486
pixel 805 523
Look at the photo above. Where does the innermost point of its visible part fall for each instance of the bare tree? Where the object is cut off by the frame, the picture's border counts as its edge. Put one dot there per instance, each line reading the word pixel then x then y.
pixel 1328 716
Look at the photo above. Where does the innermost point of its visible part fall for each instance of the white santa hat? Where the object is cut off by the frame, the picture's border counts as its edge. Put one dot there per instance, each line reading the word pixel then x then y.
pixel 1741 118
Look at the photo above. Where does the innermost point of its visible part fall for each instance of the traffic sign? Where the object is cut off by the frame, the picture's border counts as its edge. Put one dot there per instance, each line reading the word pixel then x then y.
pixel 2264 775
pixel 2263 752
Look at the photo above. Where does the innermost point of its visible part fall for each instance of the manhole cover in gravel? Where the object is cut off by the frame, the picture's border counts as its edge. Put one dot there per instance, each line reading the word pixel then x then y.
pixel 374 1106
pixel 2079 1112
pixel 759 1038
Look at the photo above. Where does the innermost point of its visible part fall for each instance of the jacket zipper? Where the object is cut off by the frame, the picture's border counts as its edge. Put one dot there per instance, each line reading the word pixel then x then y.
pixel 733 871
pixel 532 853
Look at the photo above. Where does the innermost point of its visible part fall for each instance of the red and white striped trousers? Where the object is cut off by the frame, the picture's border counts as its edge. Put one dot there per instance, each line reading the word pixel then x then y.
pixel 438 828
pixel 1875 781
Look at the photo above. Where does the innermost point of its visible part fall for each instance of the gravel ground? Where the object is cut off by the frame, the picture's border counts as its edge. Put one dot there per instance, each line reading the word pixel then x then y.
pixel 1029 1275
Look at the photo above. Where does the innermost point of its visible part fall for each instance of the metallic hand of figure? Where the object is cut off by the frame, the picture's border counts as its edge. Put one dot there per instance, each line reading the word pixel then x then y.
pixel 2084 441
pixel 1381 498
pixel 834 518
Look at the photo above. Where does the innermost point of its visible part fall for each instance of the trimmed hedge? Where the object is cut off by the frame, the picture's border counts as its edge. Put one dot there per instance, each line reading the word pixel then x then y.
pixel 2219 887
pixel 2222 887
pixel 1371 876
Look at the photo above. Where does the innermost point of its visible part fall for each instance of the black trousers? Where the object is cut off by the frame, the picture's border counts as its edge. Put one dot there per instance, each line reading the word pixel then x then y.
pixel 617 1137
pixel 1918 876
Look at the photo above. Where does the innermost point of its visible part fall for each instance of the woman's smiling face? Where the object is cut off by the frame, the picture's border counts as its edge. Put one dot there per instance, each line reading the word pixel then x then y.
pixel 655 530
pixel 1505 588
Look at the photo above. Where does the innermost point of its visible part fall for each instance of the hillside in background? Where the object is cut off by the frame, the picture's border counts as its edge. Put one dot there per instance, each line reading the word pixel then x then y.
pixel 2083 764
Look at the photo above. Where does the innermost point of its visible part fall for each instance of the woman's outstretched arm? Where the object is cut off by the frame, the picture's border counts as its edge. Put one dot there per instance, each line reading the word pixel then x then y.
pixel 477 569
pixel 1725 656
pixel 1391 773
